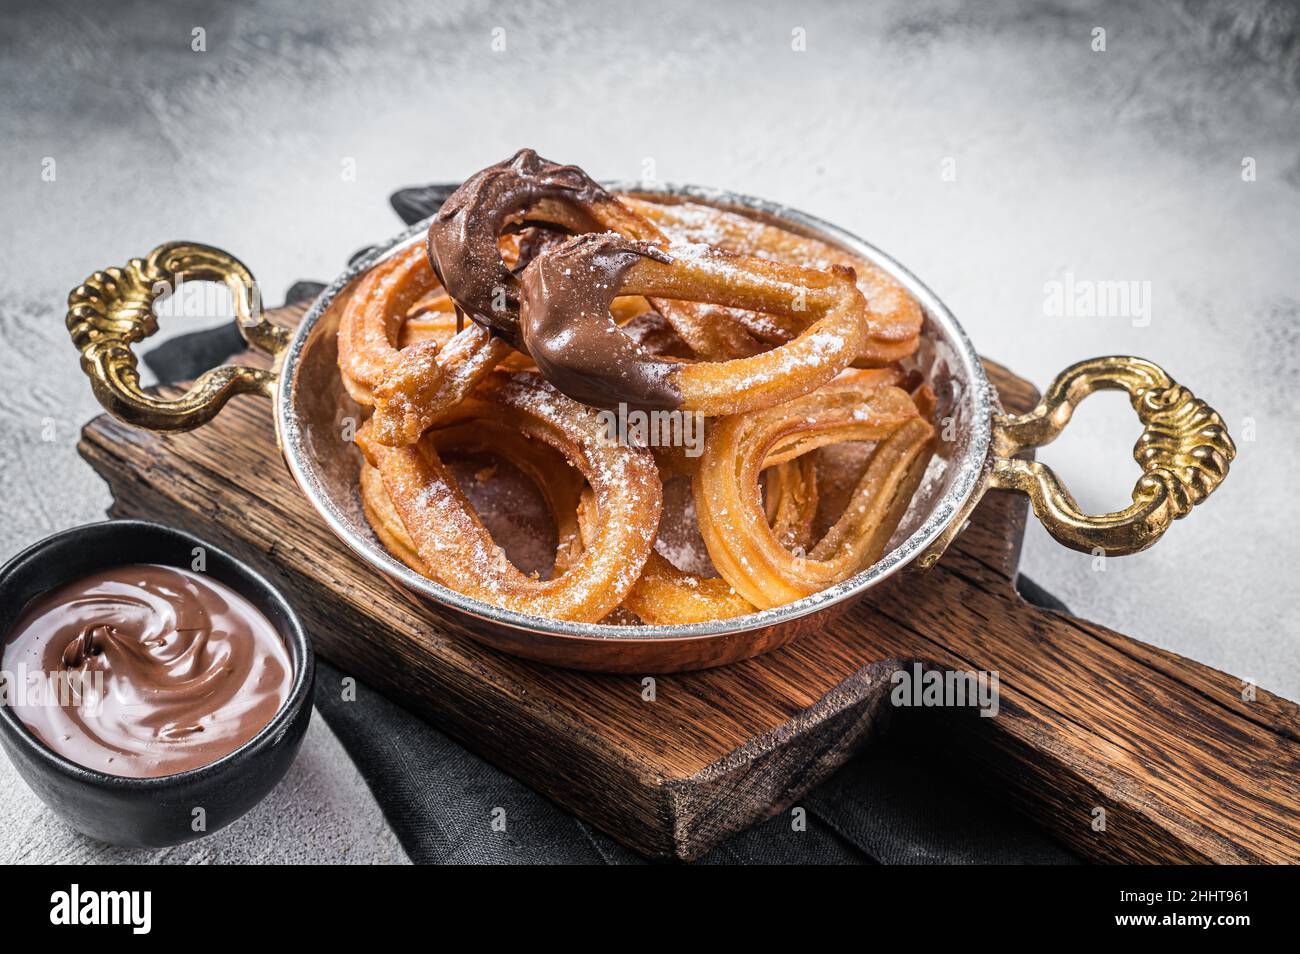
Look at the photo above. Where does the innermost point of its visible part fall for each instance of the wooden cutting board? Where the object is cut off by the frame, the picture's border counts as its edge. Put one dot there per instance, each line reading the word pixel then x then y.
pixel 1122 751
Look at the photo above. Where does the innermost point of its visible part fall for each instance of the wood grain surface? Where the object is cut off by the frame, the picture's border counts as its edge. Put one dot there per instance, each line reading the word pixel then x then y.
pixel 1122 751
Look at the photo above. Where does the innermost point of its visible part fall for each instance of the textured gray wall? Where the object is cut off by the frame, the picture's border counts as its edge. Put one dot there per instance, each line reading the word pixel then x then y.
pixel 1117 165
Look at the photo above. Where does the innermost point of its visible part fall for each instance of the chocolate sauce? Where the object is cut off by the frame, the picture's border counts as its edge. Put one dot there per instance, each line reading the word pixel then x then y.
pixel 462 239
pixel 145 670
pixel 565 323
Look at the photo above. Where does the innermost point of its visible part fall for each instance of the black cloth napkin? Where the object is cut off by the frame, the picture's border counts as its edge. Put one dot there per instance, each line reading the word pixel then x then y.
pixel 896 804
pixel 900 803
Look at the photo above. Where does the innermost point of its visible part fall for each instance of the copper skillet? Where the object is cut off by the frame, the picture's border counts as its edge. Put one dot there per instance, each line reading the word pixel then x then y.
pixel 1184 450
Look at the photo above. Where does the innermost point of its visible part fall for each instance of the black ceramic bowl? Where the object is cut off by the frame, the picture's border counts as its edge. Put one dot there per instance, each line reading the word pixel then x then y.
pixel 153 812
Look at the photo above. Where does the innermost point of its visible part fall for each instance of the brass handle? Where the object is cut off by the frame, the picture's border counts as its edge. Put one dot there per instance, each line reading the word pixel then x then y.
pixel 1184 452
pixel 113 309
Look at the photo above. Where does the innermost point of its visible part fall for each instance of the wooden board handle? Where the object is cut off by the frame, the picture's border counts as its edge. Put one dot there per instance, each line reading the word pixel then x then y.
pixel 1125 752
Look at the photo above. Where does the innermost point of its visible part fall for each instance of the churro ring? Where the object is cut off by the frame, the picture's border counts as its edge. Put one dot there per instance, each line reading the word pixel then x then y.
pixel 408 386
pixel 402 350
pixel 398 352
pixel 893 316
pixel 385 520
pixel 729 506
pixel 370 326
pixel 668 595
pixel 463 236
pixel 560 486
pixel 435 363
pixel 432 318
pixel 566 325
pixel 436 370
pixel 429 379
pixel 457 550
pixel 664 595
pixel 790 501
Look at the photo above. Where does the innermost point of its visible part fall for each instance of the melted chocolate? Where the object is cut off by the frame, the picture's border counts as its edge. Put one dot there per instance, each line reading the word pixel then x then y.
pixel 566 325
pixel 537 241
pixel 462 239
pixel 145 670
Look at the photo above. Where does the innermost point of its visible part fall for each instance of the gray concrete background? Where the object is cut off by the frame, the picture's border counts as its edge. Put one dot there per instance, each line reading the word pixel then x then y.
pixel 1117 165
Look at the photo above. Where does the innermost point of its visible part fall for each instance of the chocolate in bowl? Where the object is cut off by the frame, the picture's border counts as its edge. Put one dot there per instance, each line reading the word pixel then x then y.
pixel 145 670
pixel 198 795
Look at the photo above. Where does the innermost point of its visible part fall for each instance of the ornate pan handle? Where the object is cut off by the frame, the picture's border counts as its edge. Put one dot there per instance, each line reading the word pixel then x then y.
pixel 114 309
pixel 1184 452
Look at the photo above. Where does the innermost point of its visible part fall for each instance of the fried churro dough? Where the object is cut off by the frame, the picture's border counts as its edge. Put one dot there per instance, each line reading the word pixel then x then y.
pixel 578 295
pixel 566 326
pixel 665 595
pixel 745 549
pixel 893 316
pixel 408 385
pixel 561 486
pixel 372 319
pixel 457 550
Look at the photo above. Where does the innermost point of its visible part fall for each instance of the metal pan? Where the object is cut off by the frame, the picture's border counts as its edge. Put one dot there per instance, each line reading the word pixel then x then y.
pixel 1184 450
